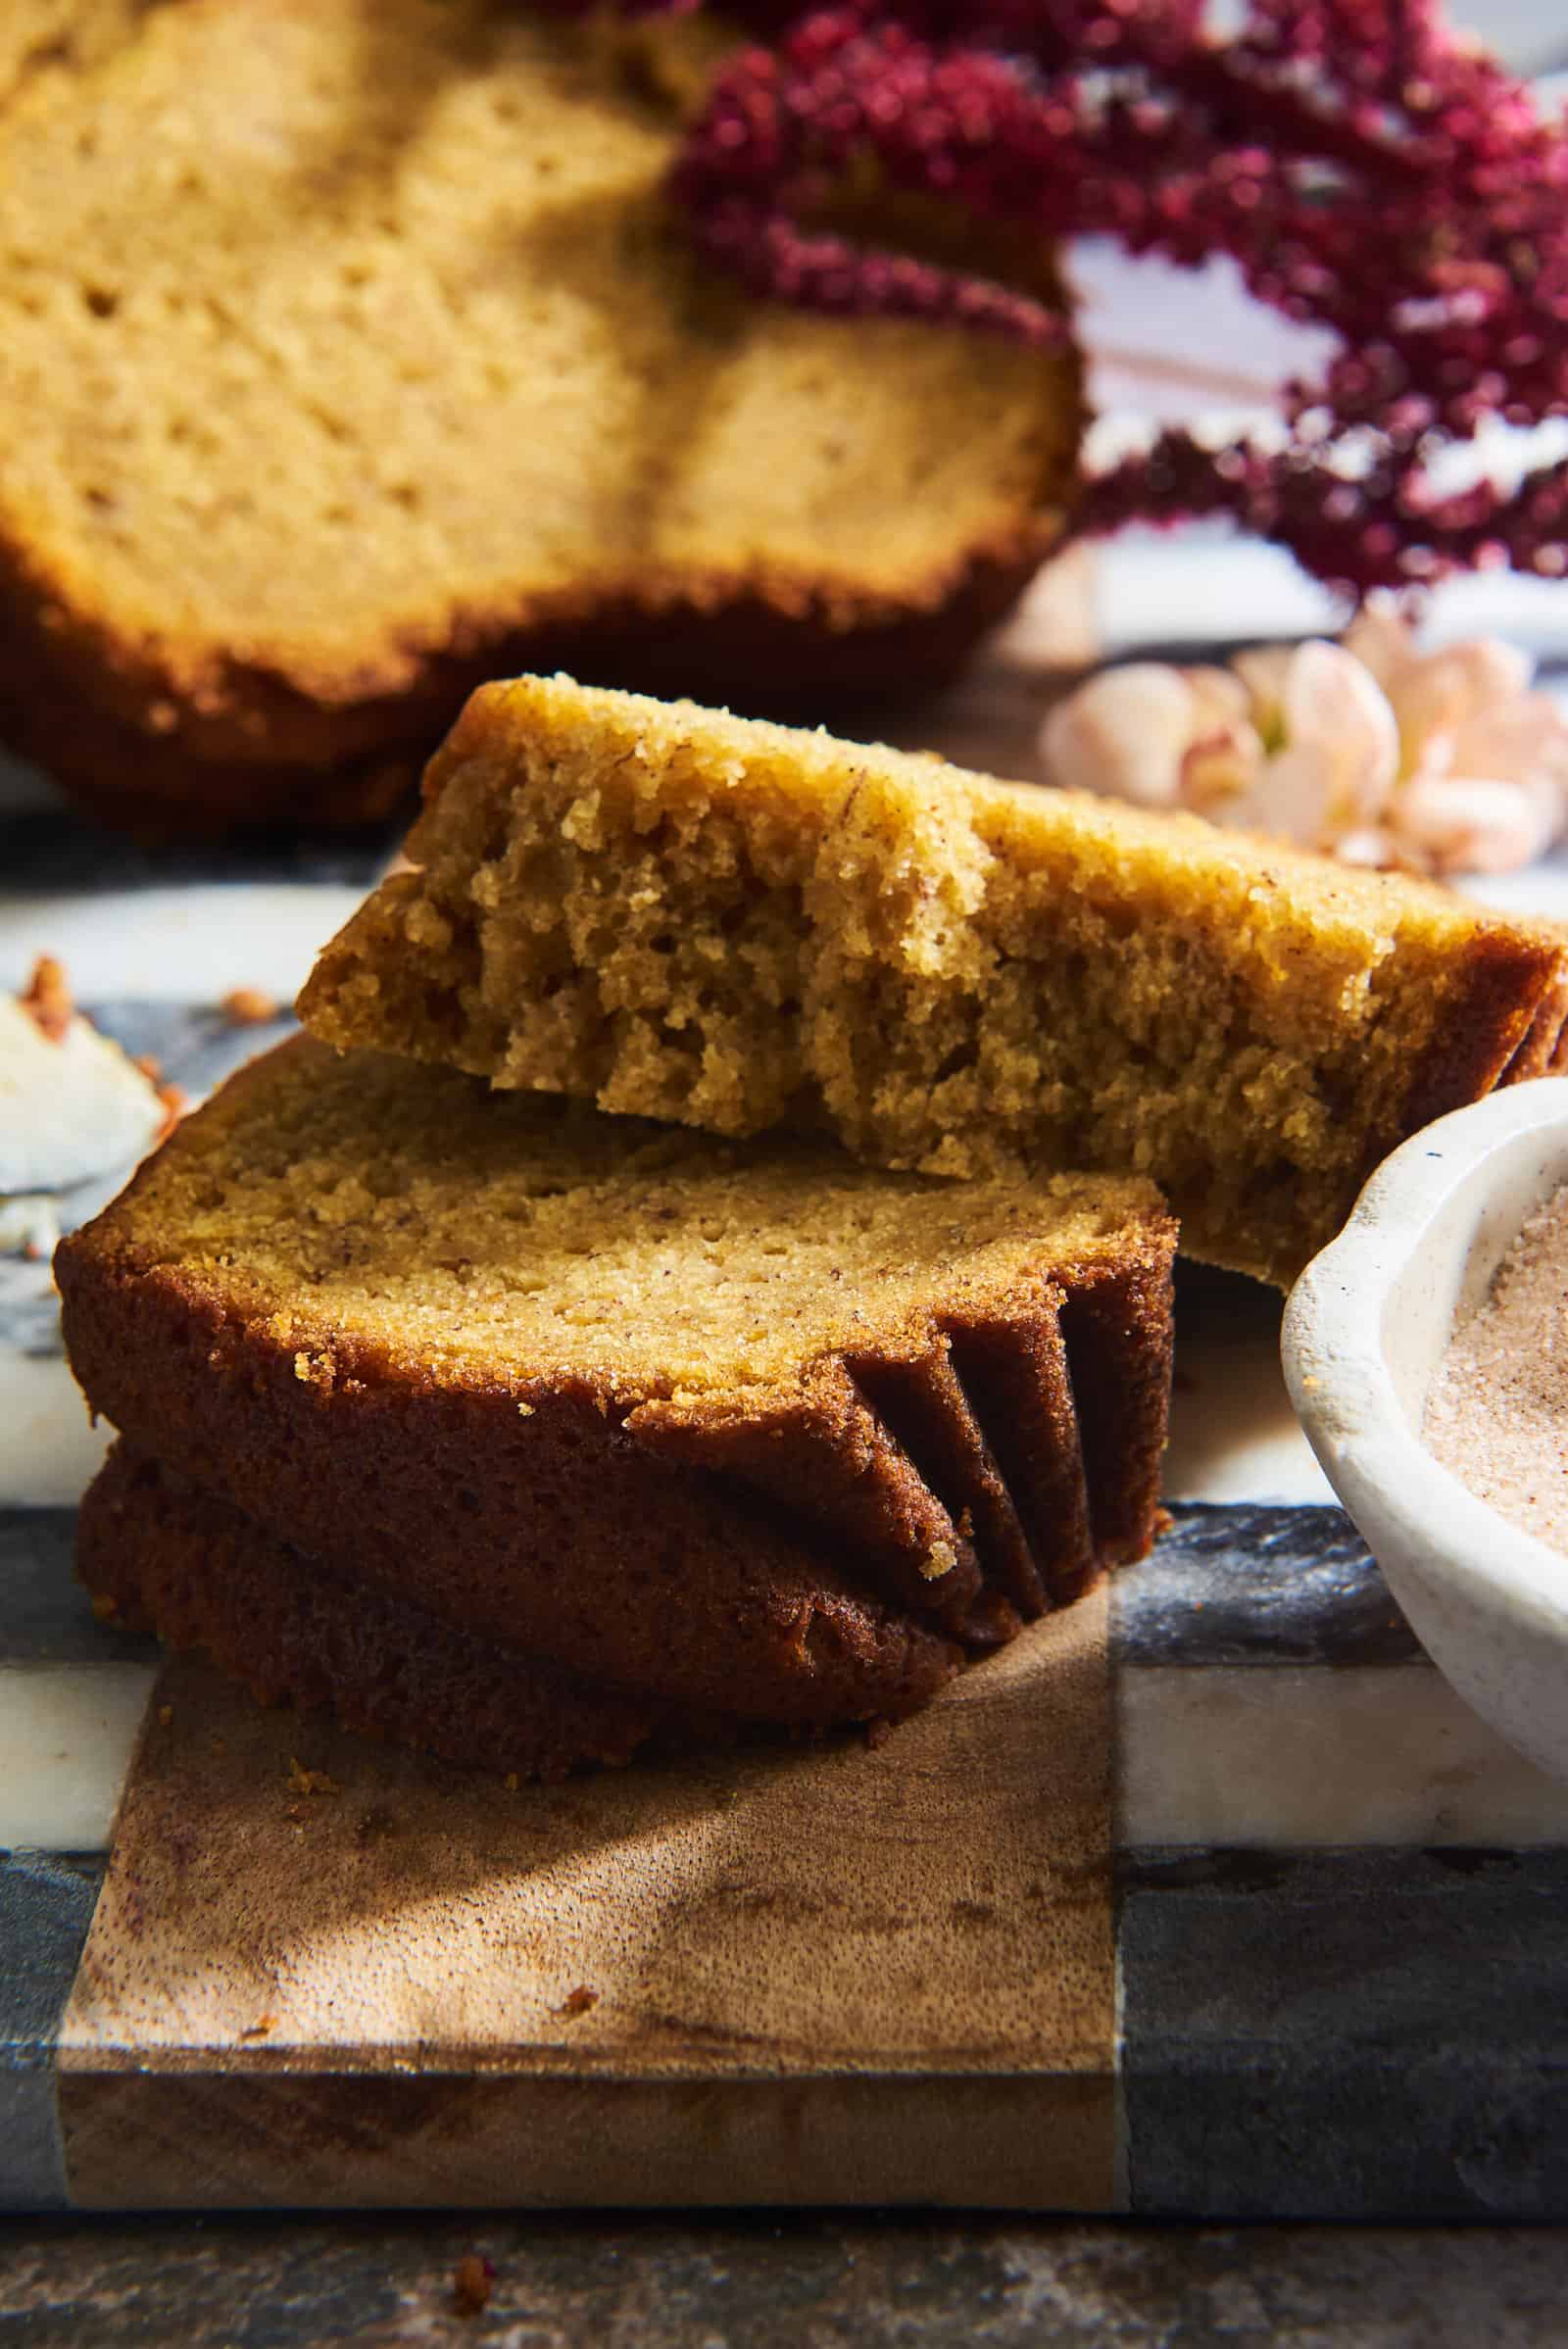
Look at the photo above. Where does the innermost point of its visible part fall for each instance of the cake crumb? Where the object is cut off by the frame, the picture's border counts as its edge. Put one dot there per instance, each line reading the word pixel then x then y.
pixel 174 1097
pixel 576 2002
pixel 309 1782
pixel 260 2027
pixel 29 1227
pixel 877 1734
pixel 175 1102
pixel 47 999
pixel 511 1782
pixel 248 1008
pixel 472 2284
pixel 105 1606
pixel 166 1716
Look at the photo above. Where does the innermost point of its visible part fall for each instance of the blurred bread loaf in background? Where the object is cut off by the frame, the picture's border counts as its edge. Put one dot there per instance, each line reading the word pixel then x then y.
pixel 349 356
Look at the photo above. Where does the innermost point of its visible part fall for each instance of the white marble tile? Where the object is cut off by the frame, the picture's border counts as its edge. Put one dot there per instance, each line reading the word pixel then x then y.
pixel 1233 1433
pixel 177 945
pixel 66 1732
pixel 1539 889
pixel 1196 585
pixel 49 1453
pixel 1276 1755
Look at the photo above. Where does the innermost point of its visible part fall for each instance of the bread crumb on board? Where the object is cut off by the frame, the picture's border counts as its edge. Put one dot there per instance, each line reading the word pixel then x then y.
pixel 47 999
pixel 472 2284
pixel 248 1008
pixel 576 2002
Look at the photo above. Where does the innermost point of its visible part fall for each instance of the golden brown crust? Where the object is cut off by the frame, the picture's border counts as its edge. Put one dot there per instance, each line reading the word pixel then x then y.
pixel 1501 1026
pixel 1541 1054
pixel 564 1534
pixel 176 1560
pixel 1120 1333
pixel 261 753
pixel 546 1534
pixel 1003 1466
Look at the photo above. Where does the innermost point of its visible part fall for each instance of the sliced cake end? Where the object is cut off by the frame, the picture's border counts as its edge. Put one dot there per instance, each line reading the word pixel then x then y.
pixel 680 914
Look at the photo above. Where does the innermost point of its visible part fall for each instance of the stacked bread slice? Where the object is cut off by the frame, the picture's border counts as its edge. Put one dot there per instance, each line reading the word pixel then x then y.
pixel 458 1395
pixel 530 1433
pixel 679 915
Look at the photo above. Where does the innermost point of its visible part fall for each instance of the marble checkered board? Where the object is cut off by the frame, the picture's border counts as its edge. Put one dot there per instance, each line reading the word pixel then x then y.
pixel 1208 1897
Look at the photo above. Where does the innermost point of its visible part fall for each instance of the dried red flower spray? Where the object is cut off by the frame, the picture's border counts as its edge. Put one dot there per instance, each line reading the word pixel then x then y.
pixel 1367 171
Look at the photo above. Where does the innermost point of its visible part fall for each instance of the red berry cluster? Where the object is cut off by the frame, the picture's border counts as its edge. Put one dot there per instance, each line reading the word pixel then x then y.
pixel 1367 169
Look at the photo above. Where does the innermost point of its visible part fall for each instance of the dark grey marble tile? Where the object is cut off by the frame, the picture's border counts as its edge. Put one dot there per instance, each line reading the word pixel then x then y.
pixel 194 1045
pixel 1237 1584
pixel 1377 2033
pixel 47 850
pixel 29 1311
pixel 772 2280
pixel 46 1905
pixel 46 1617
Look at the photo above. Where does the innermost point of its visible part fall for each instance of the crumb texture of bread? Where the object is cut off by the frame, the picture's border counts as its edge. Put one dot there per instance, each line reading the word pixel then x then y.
pixel 162 1554
pixel 685 915
pixel 747 1428
pixel 347 349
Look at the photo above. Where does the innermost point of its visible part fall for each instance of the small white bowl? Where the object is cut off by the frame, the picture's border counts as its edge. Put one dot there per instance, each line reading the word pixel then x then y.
pixel 1365 1329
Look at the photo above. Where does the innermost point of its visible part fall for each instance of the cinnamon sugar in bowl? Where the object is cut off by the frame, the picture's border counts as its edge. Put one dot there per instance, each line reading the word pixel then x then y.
pixel 1497 1409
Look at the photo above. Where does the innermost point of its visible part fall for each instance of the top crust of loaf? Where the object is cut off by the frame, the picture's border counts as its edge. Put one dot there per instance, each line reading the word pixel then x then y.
pixel 692 916
pixel 346 348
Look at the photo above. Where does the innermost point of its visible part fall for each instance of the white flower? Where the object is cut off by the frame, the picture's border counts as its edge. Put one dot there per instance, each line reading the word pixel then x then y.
pixel 1434 693
pixel 1370 750
pixel 1124 733
pixel 1468 824
pixel 1337 750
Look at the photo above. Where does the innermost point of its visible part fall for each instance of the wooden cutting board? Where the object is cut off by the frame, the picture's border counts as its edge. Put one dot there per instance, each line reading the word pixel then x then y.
pixel 1204 1897
pixel 323 1970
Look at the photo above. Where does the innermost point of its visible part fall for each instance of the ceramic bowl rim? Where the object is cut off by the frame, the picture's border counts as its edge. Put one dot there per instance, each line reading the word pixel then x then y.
pixel 1334 1352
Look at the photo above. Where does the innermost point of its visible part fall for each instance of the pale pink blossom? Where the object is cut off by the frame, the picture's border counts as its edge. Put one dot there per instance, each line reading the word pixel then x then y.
pixel 1468 824
pixel 1336 756
pixel 1370 750
pixel 1125 732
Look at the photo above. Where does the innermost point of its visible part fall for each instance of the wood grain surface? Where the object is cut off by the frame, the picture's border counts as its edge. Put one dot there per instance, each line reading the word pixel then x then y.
pixel 325 1970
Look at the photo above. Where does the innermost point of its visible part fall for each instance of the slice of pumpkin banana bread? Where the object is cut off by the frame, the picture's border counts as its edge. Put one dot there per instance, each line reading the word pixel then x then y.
pixel 681 914
pixel 752 1431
